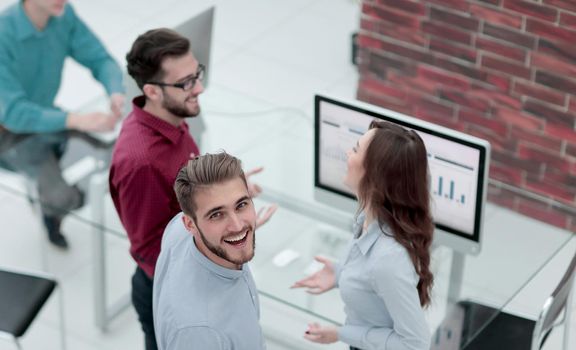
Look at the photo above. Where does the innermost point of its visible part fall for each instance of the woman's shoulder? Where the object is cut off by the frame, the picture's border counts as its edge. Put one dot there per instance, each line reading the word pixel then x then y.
pixel 386 246
pixel 389 257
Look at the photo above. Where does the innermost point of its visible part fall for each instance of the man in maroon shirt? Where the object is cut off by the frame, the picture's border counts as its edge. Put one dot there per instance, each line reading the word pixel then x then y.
pixel 152 147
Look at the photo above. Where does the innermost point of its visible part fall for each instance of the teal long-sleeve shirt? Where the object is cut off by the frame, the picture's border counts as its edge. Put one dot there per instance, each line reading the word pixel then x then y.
pixel 31 63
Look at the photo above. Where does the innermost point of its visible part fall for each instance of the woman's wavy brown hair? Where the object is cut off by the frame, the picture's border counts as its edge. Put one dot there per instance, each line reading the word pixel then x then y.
pixel 396 189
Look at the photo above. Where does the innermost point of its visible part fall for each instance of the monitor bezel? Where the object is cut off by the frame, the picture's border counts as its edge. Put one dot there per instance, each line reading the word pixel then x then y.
pixel 433 129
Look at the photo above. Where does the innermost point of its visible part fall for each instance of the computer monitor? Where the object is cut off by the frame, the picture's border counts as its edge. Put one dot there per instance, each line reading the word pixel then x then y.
pixel 198 29
pixel 458 166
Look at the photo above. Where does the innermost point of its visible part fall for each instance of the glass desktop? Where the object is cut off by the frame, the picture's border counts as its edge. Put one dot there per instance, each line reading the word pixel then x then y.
pixel 301 229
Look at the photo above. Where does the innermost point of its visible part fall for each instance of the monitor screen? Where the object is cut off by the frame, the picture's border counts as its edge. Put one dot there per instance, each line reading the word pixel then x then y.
pixel 458 163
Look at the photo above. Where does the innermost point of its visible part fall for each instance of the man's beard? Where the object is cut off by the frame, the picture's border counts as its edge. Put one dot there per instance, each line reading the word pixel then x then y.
pixel 221 252
pixel 178 109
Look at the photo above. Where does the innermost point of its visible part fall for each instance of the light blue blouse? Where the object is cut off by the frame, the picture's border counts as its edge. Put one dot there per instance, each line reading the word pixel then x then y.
pixel 377 281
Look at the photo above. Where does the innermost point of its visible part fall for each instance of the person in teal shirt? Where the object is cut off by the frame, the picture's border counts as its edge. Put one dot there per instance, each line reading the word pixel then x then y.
pixel 36 36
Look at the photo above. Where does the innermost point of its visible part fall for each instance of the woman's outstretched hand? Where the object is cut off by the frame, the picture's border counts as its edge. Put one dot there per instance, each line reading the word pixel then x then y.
pixel 320 281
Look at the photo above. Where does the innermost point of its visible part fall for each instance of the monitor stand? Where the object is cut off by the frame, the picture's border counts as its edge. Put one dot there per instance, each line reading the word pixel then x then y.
pixel 456 276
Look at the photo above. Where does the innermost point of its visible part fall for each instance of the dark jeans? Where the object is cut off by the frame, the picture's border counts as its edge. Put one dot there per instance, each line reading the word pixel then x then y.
pixel 142 301
pixel 353 348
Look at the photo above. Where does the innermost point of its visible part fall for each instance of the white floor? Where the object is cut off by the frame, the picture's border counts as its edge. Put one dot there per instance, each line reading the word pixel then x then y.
pixel 269 58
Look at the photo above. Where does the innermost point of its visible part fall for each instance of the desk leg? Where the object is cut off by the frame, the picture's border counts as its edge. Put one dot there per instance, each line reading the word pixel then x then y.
pixel 456 277
pixel 98 186
pixel 103 312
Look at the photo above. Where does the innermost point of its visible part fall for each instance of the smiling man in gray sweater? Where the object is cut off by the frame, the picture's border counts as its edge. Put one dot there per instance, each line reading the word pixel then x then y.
pixel 204 293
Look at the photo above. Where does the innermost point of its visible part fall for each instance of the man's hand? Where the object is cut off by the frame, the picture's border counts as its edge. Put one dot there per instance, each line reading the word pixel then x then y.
pixel 253 188
pixel 96 121
pixel 320 334
pixel 265 214
pixel 117 104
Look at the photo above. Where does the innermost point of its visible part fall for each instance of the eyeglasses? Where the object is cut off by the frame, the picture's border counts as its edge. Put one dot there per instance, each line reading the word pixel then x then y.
pixel 187 84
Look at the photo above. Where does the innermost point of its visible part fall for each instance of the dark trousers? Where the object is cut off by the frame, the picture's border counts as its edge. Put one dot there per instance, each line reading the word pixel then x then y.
pixel 38 156
pixel 142 301
pixel 353 348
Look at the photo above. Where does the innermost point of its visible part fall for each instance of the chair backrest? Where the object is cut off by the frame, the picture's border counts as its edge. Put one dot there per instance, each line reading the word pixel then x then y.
pixel 21 297
pixel 554 305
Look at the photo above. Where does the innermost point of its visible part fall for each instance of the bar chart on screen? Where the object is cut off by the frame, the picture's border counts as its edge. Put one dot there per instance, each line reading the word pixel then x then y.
pixel 452 187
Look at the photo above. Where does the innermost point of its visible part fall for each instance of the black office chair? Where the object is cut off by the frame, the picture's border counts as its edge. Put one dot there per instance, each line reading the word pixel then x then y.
pixel 462 329
pixel 22 296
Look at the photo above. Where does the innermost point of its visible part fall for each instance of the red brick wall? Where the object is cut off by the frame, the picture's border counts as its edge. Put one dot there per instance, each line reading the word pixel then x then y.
pixel 503 70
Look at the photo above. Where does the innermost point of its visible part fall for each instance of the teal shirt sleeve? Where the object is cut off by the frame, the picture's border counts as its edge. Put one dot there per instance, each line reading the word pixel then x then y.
pixel 31 64
pixel 17 112
pixel 87 50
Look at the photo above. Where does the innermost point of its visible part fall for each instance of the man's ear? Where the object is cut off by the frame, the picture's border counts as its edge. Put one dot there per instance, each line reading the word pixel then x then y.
pixel 152 92
pixel 189 224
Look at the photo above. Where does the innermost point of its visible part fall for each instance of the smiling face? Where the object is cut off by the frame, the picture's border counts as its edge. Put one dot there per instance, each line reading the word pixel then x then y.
pixel 225 222
pixel 355 170
pixel 178 102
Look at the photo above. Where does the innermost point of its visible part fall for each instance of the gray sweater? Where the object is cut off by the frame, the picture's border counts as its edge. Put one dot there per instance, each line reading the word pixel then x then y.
pixel 199 304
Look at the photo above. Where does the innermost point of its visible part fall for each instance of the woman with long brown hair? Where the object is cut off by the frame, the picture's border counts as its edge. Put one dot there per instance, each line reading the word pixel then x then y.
pixel 384 279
